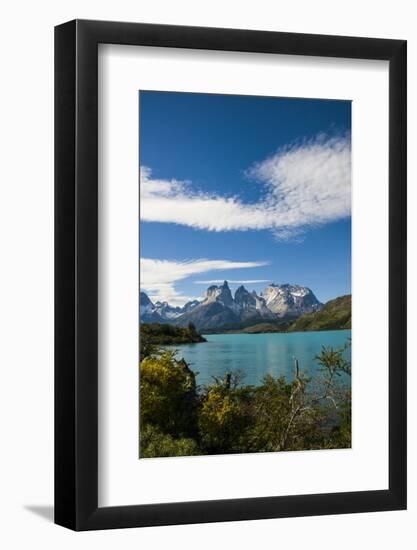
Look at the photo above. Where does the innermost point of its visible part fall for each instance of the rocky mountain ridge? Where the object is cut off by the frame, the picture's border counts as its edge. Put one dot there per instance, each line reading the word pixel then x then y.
pixel 220 309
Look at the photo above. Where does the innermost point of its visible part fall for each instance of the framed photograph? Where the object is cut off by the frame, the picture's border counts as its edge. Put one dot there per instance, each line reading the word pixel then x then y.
pixel 230 247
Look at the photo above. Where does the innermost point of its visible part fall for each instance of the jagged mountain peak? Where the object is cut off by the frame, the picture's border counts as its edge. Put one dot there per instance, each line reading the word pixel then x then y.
pixel 220 293
pixel 241 289
pixel 161 311
pixel 288 299
pixel 190 305
pixel 144 299
pixel 244 298
pixel 221 309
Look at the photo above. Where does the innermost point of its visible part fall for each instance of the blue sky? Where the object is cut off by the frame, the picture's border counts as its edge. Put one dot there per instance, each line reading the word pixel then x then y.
pixel 243 188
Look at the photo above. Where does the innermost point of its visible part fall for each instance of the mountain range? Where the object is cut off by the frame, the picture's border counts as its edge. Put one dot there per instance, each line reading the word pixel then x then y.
pixel 221 310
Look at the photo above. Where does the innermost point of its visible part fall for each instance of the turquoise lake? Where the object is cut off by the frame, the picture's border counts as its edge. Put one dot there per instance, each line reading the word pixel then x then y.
pixel 256 355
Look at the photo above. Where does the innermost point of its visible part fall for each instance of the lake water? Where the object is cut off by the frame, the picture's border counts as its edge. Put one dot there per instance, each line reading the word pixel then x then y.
pixel 259 354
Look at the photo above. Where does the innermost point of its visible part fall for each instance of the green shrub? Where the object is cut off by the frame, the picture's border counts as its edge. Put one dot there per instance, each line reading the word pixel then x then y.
pixel 168 395
pixel 154 443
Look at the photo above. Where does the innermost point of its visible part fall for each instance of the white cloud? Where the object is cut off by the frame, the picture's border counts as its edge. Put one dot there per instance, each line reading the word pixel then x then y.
pixel 158 277
pixel 303 185
pixel 242 282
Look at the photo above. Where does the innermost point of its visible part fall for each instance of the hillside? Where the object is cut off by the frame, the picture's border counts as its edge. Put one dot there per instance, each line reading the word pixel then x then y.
pixel 335 315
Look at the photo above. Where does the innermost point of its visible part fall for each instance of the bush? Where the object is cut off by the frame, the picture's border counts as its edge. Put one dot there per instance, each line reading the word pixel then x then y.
pixel 168 395
pixel 272 409
pixel 220 422
pixel 154 443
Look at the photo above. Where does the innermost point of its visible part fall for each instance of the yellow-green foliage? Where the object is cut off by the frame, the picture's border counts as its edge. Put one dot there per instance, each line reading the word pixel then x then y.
pixel 285 417
pixel 155 443
pixel 272 409
pixel 167 394
pixel 222 419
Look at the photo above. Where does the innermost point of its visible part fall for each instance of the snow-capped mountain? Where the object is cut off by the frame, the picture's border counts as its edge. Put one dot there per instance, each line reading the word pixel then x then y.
pixel 190 305
pixel 220 294
pixel 166 311
pixel 161 312
pixel 147 310
pixel 249 305
pixel 220 309
pixel 294 300
pixel 216 310
pixel 170 312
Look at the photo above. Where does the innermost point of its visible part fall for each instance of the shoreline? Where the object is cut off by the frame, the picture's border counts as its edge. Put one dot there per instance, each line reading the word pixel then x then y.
pixel 231 332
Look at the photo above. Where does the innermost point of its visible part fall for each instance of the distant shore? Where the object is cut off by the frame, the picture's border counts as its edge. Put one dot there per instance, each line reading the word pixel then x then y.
pixel 153 335
pixel 255 330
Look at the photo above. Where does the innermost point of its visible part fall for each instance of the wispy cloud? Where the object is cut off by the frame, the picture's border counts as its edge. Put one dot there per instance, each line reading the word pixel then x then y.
pixel 303 185
pixel 158 277
pixel 241 282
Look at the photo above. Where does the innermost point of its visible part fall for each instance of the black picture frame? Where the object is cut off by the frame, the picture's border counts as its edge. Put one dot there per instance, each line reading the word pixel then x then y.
pixel 76 272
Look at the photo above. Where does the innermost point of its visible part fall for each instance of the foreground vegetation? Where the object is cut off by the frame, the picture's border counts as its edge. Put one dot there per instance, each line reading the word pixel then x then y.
pixel 177 418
